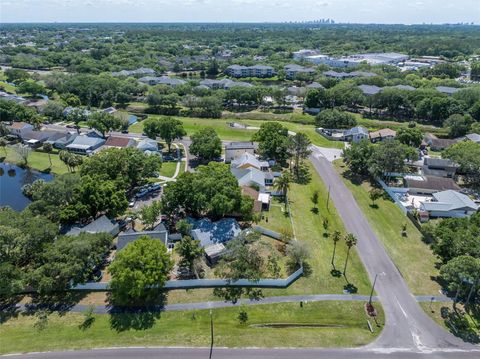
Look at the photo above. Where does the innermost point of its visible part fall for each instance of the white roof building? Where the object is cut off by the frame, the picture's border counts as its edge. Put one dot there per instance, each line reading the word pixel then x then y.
pixel 449 204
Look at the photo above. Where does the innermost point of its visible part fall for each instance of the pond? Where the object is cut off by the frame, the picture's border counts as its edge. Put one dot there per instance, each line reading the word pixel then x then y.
pixel 132 119
pixel 12 178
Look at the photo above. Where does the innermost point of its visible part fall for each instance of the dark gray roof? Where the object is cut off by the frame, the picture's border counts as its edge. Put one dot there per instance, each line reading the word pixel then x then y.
pixel 125 238
pixel 405 87
pixel 370 89
pixel 433 183
pixel 240 146
pixel 439 162
pixel 446 89
pixel 208 232
pixel 101 225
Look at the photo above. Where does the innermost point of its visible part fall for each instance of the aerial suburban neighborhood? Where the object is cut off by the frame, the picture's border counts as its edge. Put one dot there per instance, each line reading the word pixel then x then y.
pixel 222 189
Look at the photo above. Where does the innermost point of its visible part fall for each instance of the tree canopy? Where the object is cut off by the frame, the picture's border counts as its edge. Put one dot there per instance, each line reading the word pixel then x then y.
pixel 139 272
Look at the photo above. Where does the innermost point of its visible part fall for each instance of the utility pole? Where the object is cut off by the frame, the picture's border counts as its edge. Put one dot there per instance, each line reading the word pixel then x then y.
pixel 474 284
pixel 373 287
pixel 211 335
pixel 328 197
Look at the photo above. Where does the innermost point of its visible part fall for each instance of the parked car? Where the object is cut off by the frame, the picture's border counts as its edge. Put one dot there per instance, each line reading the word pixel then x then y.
pixel 142 193
pixel 155 187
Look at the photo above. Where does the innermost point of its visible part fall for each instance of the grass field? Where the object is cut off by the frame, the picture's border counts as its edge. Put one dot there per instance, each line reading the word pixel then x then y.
pixel 38 160
pixel 374 125
pixel 472 319
pixel 225 132
pixel 344 325
pixel 411 255
pixel 168 169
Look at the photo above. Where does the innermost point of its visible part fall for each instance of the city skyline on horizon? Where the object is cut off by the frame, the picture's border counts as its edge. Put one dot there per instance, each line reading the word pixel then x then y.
pixel 409 12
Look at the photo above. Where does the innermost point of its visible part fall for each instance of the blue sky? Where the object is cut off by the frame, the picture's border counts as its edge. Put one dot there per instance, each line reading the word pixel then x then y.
pixel 359 11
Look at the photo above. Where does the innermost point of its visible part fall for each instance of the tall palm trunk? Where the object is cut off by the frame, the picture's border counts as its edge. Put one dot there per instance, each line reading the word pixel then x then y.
pixel 346 262
pixel 333 256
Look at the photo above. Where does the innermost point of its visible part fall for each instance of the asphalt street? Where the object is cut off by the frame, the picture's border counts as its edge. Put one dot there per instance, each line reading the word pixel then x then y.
pixel 407 327
pixel 220 353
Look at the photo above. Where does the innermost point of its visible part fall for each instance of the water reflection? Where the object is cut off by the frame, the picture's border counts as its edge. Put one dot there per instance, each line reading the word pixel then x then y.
pixel 11 185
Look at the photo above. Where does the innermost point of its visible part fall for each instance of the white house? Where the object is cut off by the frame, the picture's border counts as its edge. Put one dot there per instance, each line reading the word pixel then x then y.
pixel 449 204
pixel 356 134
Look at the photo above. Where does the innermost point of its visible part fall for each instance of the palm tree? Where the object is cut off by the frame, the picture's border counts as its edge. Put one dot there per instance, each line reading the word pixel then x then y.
pixel 336 237
pixel 283 184
pixel 351 241
pixel 47 147
pixel 3 143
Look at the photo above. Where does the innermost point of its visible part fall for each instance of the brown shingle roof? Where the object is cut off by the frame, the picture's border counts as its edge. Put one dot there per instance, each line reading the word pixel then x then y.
pixel 433 183
pixel 384 132
pixel 18 125
pixel 117 141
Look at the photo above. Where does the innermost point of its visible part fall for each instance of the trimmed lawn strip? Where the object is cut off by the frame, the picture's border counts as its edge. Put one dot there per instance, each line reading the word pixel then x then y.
pixel 345 325
pixel 168 169
pixel 414 259
pixel 38 160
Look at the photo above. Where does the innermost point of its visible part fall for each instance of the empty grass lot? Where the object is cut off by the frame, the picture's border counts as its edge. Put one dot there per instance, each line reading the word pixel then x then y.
pixel 345 325
pixel 37 160
pixel 411 255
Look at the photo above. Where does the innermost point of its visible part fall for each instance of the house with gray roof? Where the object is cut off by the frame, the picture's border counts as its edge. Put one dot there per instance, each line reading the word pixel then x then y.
pixel 355 134
pixel 85 144
pixel 448 204
pixel 126 238
pixel 62 139
pixel 147 144
pixel 209 233
pixel 237 149
pixel 315 85
pixel 474 137
pixel 101 225
pixel 250 177
pixel 405 87
pixel 292 70
pixel 370 90
pixel 162 80
pixel 439 167
pixel 447 90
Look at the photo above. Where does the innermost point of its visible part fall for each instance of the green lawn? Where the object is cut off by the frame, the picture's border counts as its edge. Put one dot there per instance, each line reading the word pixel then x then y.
pixel 7 87
pixel 276 219
pixel 471 319
pixel 192 125
pixel 411 255
pixel 168 169
pixel 38 160
pixel 345 325
pixel 374 125
pixel 228 133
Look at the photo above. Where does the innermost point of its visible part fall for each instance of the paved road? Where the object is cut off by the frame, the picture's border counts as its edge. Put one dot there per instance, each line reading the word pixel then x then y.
pixel 104 309
pixel 220 353
pixel 407 326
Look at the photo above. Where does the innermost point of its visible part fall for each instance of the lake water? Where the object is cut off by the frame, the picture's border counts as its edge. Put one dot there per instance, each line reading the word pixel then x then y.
pixel 12 178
